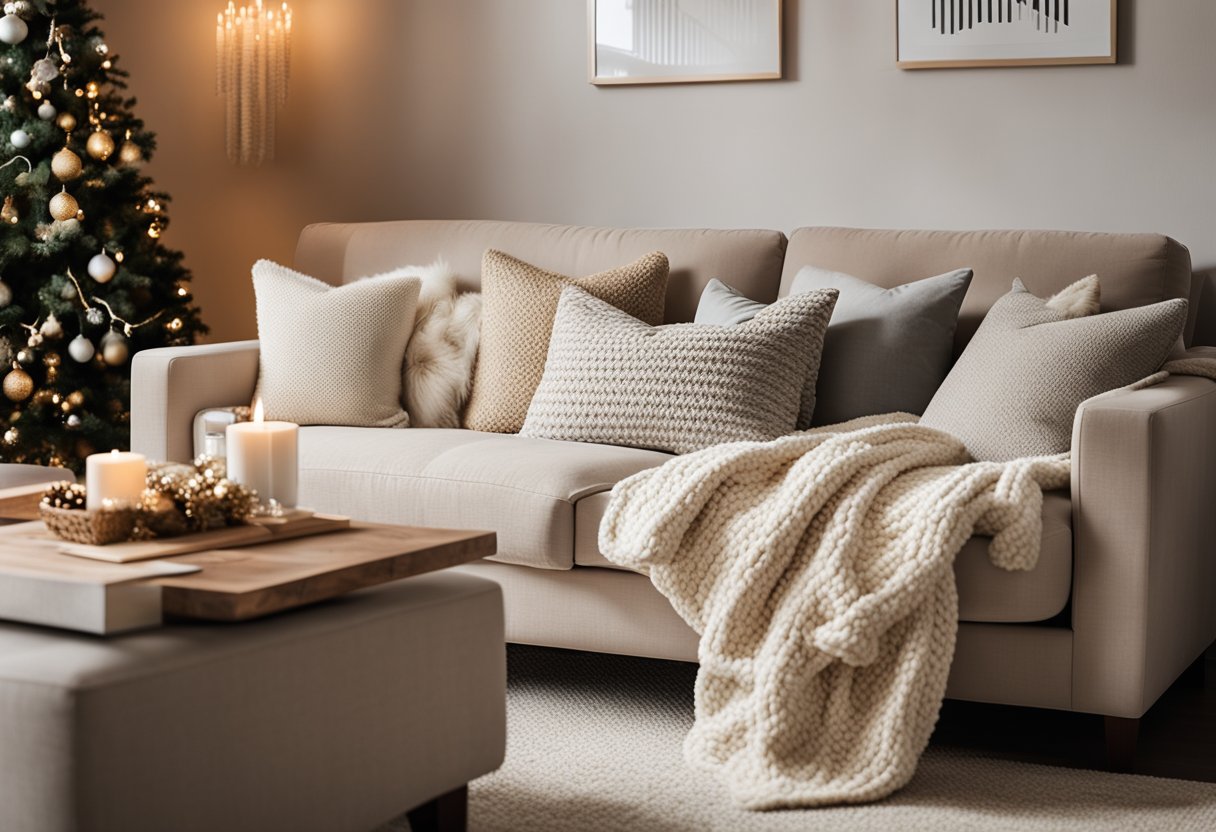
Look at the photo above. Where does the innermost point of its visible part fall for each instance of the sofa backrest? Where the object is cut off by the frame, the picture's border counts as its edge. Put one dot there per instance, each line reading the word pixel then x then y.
pixel 749 260
pixel 1134 269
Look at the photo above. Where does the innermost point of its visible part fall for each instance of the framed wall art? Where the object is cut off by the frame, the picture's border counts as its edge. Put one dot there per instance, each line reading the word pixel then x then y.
pixel 935 34
pixel 683 41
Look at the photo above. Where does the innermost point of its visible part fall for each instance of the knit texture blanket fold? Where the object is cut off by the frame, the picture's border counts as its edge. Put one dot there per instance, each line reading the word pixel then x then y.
pixel 818 570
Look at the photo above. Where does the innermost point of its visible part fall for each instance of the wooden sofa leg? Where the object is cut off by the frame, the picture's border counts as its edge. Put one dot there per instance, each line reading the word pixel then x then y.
pixel 1196 675
pixel 446 813
pixel 1121 737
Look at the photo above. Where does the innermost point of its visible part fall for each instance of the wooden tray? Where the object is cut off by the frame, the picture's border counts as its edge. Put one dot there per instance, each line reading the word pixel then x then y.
pixel 255 532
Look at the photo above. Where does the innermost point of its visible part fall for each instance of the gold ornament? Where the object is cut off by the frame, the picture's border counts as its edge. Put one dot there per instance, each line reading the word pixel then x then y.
pixel 64 206
pixel 130 154
pixel 66 122
pixel 100 145
pixel 76 398
pixel 18 385
pixel 9 212
pixel 66 165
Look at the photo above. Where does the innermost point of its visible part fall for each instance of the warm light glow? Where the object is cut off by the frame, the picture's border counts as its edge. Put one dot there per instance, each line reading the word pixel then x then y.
pixel 253 66
pixel 259 412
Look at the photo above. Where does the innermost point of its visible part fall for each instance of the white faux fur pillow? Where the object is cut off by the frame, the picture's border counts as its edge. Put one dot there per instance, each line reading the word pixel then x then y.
pixel 439 360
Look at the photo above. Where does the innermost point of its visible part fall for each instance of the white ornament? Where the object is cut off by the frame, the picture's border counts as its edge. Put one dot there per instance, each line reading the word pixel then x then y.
pixel 6 294
pixel 81 349
pixel 13 29
pixel 73 421
pixel 19 139
pixel 102 268
pixel 51 328
pixel 47 111
pixel 114 348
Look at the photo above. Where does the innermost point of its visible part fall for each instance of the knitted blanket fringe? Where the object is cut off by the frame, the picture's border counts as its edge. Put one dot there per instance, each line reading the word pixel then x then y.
pixel 818 570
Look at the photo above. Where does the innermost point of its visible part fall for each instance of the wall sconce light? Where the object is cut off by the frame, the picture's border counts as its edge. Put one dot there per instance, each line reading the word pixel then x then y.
pixel 253 64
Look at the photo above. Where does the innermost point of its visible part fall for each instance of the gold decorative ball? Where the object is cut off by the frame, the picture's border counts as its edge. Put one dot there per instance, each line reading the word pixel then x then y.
pixel 66 165
pixel 100 145
pixel 76 398
pixel 130 154
pixel 64 206
pixel 66 122
pixel 18 385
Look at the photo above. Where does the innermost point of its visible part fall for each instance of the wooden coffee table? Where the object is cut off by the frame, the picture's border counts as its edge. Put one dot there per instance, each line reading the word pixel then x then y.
pixel 228 581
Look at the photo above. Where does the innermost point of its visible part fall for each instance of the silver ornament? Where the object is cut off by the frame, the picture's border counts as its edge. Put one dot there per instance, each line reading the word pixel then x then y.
pixel 73 422
pixel 102 268
pixel 95 316
pixel 24 356
pixel 81 349
pixel 47 111
pixel 19 139
pixel 13 29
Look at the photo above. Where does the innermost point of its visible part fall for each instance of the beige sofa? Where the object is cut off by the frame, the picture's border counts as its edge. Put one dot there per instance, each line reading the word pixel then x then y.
pixel 1120 604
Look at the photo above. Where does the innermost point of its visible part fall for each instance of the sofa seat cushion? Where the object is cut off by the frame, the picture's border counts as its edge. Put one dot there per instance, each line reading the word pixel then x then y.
pixel 985 592
pixel 524 489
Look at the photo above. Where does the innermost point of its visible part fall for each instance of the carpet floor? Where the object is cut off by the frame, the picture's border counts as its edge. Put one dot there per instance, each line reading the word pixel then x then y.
pixel 594 743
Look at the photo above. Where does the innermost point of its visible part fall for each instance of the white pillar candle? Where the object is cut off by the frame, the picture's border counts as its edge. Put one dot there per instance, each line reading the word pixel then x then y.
pixel 263 456
pixel 116 478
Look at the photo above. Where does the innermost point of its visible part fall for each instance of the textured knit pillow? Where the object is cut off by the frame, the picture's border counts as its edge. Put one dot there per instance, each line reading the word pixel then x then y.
pixel 886 351
pixel 612 379
pixel 333 355
pixel 518 304
pixel 1014 391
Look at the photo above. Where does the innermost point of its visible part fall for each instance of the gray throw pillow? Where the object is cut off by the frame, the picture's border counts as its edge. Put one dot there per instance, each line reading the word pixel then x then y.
pixel 886 350
pixel 1014 391
pixel 612 379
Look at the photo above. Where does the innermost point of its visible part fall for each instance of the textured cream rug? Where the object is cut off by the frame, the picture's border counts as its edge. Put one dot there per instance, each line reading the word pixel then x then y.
pixel 594 743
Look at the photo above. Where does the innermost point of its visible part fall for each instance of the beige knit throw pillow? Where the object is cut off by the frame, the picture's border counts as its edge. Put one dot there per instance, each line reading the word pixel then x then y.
pixel 333 355
pixel 614 380
pixel 519 301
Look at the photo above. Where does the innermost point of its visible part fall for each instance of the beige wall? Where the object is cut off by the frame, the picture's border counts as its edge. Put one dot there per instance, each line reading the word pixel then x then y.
pixel 480 108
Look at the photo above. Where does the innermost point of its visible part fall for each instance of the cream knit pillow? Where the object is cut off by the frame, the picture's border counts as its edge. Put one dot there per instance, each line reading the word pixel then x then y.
pixel 333 355
pixel 612 379
pixel 519 301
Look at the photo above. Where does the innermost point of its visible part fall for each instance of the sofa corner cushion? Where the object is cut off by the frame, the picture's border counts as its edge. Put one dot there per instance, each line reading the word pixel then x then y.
pixel 313 371
pixel 986 593
pixel 1015 390
pixel 523 489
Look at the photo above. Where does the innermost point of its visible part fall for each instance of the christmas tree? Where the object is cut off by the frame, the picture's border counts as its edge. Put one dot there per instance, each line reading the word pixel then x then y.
pixel 84 279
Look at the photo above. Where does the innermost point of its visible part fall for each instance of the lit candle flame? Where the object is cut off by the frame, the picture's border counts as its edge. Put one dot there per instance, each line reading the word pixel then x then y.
pixel 259 412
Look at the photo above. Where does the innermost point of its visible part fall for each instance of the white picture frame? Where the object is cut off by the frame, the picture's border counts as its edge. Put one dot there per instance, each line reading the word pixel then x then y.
pixel 940 34
pixel 683 41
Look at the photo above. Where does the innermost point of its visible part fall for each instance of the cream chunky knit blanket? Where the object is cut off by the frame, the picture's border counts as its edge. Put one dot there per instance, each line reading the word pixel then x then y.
pixel 818 569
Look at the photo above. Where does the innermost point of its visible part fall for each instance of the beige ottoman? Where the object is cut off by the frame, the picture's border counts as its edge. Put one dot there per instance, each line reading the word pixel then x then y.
pixel 334 717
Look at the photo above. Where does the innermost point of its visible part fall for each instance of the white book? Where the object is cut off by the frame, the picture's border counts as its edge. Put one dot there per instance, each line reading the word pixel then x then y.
pixel 40 585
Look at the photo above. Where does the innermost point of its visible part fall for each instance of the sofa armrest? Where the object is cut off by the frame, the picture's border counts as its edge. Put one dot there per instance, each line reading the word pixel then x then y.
pixel 170 385
pixel 1144 526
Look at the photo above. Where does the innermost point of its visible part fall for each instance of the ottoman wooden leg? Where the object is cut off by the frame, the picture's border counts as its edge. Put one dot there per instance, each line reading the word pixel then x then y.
pixel 446 813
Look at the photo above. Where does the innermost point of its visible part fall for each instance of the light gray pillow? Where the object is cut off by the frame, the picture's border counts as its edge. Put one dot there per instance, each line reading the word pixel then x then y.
pixel 332 355
pixel 1014 391
pixel 610 378
pixel 886 350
